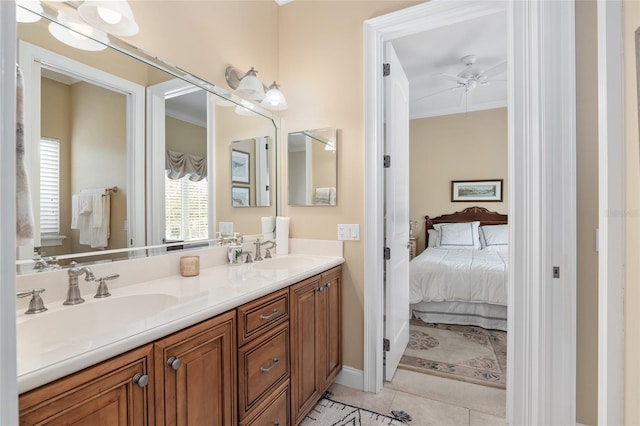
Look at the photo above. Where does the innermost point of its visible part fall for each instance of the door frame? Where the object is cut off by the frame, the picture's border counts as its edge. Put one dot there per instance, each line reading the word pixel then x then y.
pixel 611 250
pixel 542 182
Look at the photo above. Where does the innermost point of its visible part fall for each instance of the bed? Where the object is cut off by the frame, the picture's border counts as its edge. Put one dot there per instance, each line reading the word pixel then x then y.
pixel 461 277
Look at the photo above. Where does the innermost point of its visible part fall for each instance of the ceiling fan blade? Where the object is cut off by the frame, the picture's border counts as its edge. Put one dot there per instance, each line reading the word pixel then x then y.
pixel 495 70
pixel 448 89
pixel 450 77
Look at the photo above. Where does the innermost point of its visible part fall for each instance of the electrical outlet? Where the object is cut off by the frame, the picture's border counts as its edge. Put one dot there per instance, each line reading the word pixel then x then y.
pixel 348 232
pixel 225 228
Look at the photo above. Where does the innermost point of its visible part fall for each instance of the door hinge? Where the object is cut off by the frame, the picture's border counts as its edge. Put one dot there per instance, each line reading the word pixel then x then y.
pixel 386 69
pixel 387 253
pixel 386 162
pixel 386 345
pixel 556 272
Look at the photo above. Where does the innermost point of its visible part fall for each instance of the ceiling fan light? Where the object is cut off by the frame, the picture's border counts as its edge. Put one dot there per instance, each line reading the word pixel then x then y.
pixel 111 16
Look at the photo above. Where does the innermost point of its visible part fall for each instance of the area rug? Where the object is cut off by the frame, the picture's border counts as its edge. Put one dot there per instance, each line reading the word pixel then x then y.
pixel 328 412
pixel 461 352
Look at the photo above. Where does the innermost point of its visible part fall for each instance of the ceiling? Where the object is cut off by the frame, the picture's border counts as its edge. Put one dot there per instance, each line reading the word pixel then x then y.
pixel 439 51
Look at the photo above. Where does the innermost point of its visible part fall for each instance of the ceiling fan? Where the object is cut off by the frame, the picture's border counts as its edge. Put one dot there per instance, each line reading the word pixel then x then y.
pixel 469 78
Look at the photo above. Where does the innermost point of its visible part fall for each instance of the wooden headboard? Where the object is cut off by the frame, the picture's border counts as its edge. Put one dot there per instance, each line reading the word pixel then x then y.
pixel 470 214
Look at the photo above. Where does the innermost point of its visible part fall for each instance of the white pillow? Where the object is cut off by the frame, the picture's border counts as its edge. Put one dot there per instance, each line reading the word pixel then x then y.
pixel 434 237
pixel 459 235
pixel 494 235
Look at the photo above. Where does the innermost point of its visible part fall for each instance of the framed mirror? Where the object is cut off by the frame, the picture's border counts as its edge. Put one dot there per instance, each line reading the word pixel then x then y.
pixel 312 159
pixel 167 118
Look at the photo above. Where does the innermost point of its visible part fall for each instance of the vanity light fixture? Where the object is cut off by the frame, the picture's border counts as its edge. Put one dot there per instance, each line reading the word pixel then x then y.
pixel 274 99
pixel 111 16
pixel 25 11
pixel 250 87
pixel 74 35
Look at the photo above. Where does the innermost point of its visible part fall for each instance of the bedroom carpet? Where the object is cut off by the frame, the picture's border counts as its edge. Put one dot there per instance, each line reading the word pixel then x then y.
pixel 461 352
pixel 328 412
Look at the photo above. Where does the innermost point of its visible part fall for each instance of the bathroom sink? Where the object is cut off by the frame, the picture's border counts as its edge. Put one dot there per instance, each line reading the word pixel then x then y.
pixel 86 323
pixel 284 263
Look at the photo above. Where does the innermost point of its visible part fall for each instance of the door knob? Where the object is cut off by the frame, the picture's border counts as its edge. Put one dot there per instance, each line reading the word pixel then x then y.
pixel 174 362
pixel 141 380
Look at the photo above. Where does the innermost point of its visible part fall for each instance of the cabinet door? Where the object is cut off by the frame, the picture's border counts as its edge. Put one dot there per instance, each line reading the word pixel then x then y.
pixel 305 319
pixel 332 326
pixel 196 374
pixel 104 394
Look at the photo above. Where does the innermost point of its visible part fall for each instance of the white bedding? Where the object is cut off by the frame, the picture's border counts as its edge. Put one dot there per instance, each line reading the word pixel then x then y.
pixel 445 275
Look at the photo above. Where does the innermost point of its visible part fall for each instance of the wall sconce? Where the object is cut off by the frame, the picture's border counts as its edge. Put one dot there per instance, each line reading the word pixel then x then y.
pixel 111 16
pixel 249 86
pixel 74 35
pixel 24 14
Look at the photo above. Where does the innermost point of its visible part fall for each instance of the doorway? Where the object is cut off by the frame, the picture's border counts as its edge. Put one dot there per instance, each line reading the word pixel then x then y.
pixel 541 356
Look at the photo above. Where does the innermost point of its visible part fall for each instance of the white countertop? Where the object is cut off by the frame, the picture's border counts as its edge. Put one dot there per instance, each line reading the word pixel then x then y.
pixel 66 339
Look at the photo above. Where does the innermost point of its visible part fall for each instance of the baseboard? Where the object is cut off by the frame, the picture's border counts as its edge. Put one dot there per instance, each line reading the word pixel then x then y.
pixel 351 378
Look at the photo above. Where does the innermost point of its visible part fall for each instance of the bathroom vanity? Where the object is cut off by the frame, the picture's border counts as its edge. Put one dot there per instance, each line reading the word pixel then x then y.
pixel 263 354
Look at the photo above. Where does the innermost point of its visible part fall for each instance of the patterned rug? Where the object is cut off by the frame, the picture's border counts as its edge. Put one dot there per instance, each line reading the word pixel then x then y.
pixel 328 412
pixel 461 352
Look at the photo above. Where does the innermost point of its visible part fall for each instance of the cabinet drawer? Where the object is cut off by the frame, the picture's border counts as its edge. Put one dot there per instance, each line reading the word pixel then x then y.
pixel 262 365
pixel 259 316
pixel 273 412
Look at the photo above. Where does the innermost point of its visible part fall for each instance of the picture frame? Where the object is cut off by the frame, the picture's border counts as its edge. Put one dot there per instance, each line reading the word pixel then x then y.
pixel 476 190
pixel 240 166
pixel 240 196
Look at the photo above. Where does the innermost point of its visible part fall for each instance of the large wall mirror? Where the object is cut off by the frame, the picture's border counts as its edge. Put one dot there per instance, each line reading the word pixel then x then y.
pixel 153 140
pixel 312 167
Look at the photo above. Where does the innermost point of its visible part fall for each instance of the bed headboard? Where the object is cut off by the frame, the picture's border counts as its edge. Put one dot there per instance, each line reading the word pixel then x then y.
pixel 470 214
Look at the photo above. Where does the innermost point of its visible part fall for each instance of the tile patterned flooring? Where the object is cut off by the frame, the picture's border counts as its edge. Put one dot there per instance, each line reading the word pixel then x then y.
pixel 432 400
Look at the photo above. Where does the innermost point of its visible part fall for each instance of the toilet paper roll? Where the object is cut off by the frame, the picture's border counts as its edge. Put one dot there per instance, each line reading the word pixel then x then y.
pixel 268 227
pixel 282 235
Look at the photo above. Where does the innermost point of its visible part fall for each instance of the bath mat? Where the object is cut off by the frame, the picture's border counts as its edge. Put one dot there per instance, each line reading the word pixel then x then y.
pixel 462 352
pixel 328 412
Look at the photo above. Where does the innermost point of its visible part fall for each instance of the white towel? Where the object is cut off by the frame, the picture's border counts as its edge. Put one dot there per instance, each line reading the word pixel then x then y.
pixel 325 196
pixel 282 235
pixel 268 227
pixel 90 214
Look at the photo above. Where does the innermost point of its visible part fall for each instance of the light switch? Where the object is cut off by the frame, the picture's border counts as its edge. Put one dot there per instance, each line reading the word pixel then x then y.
pixel 348 232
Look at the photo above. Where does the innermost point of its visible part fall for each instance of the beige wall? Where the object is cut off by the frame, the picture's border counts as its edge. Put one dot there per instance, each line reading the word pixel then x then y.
pixel 55 123
pixel 587 205
pixel 632 216
pixel 468 146
pixel 181 136
pixel 99 152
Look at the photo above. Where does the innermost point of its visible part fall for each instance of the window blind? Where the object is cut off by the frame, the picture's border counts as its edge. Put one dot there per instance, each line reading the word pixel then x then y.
pixel 186 209
pixel 49 186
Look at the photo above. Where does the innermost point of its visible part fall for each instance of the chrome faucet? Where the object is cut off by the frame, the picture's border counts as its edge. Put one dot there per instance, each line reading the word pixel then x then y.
pixel 259 244
pixel 73 293
pixel 36 305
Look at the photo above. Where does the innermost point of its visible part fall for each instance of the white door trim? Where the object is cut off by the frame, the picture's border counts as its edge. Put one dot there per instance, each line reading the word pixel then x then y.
pixel 9 371
pixel 611 214
pixel 541 372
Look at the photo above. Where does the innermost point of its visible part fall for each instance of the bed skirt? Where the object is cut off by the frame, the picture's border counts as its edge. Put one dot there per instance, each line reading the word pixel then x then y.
pixel 484 315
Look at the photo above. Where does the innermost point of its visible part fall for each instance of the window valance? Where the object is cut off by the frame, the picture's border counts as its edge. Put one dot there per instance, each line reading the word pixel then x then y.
pixel 179 165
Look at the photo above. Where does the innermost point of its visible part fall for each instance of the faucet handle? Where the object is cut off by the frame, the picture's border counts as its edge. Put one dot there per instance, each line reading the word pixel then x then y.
pixel 248 259
pixel 267 254
pixel 36 305
pixel 103 290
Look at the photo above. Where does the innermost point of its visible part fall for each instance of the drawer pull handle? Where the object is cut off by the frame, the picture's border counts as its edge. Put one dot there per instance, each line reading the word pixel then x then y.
pixel 276 423
pixel 174 362
pixel 276 361
pixel 320 289
pixel 327 285
pixel 271 315
pixel 141 380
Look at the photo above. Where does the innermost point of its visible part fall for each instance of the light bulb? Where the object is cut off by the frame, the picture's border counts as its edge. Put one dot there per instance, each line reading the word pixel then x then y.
pixel 109 16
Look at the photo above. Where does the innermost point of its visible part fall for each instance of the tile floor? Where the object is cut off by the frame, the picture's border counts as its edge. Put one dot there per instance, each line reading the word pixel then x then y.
pixel 432 400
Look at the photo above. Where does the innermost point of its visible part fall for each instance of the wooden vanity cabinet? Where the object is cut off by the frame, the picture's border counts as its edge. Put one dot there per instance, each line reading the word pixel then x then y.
pixel 263 360
pixel 104 394
pixel 316 352
pixel 195 371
